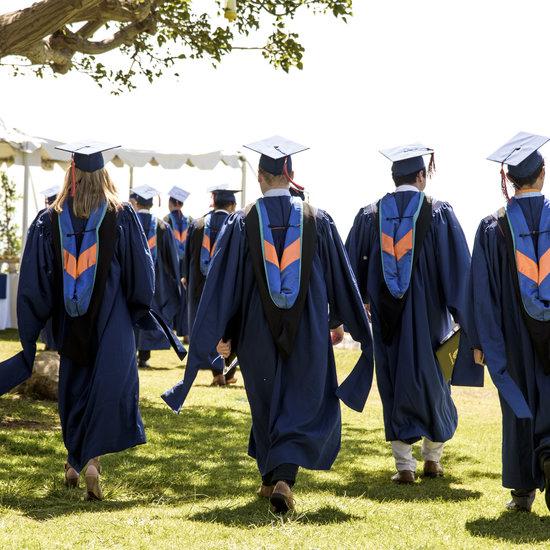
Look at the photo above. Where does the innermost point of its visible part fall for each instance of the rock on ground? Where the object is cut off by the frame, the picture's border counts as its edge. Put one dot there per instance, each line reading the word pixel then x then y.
pixel 43 383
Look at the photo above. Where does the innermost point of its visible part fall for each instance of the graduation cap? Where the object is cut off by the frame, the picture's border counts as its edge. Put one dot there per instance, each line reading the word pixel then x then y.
pixel 276 156
pixel 86 156
pixel 521 155
pixel 224 193
pixel 408 159
pixel 144 194
pixel 179 194
pixel 50 194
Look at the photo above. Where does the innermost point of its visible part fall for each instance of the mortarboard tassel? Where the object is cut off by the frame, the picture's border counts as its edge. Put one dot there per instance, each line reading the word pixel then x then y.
pixel 289 179
pixel 431 166
pixel 503 183
pixel 73 177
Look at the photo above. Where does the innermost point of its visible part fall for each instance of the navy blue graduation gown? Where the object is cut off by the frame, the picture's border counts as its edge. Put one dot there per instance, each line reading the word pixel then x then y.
pixel 415 396
pixel 190 270
pixel 509 353
pixel 46 336
pixel 195 278
pixel 166 301
pixel 182 321
pixel 294 403
pixel 98 402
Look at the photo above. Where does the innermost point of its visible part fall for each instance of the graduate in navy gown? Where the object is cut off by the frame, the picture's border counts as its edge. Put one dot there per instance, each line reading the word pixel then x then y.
pixel 179 222
pixel 412 262
pixel 87 266
pixel 46 336
pixel 510 297
pixel 279 283
pixel 164 250
pixel 200 247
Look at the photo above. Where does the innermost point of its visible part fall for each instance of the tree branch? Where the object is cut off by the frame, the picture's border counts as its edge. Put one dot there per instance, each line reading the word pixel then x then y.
pixel 76 43
pixel 22 29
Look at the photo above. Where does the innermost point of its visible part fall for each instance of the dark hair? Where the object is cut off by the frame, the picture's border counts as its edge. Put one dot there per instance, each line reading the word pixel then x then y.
pixel 408 178
pixel 140 201
pixel 175 202
pixel 223 205
pixel 526 181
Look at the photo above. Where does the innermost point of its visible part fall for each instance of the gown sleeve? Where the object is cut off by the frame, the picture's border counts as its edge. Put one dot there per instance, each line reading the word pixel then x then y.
pixel 358 249
pixel 453 263
pixel 138 271
pixel 485 294
pixel 138 279
pixel 346 306
pixel 220 301
pixel 35 300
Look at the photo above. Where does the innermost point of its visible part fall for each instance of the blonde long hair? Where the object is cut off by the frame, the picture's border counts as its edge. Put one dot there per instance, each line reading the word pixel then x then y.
pixel 92 188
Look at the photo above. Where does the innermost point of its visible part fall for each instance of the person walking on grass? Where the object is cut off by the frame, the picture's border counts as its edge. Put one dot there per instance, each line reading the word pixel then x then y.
pixel 202 240
pixel 510 299
pixel 179 222
pixel 164 251
pixel 278 290
pixel 411 260
pixel 87 266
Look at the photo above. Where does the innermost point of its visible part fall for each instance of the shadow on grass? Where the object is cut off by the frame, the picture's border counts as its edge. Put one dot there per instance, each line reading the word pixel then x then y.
pixel 257 514
pixel 195 457
pixel 9 335
pixel 512 527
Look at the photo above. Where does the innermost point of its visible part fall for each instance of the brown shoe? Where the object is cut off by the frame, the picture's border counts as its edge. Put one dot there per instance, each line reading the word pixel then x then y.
pixel 265 491
pixel 219 380
pixel 522 501
pixel 282 499
pixel 231 380
pixel 432 469
pixel 403 477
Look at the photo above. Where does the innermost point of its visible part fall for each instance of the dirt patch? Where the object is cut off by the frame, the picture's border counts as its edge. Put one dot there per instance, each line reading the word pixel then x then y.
pixel 18 424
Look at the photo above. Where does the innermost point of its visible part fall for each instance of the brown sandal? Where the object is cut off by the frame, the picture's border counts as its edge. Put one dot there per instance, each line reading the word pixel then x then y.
pixel 71 477
pixel 93 488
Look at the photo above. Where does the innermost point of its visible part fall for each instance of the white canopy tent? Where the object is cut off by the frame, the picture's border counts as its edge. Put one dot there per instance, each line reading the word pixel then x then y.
pixel 18 148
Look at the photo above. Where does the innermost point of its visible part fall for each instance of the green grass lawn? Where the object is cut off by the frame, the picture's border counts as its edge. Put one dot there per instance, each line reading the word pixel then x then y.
pixel 193 486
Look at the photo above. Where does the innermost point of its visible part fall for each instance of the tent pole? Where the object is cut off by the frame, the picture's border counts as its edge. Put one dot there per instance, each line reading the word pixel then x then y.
pixel 131 178
pixel 243 182
pixel 25 221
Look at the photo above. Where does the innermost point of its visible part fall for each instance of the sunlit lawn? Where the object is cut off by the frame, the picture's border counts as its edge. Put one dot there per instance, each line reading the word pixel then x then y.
pixel 193 485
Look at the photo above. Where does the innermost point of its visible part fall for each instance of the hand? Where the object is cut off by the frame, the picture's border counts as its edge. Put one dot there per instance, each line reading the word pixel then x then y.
pixel 224 348
pixel 184 282
pixel 367 311
pixel 479 358
pixel 337 335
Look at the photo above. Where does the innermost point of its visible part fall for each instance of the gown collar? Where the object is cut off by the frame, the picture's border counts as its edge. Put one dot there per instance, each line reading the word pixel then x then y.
pixel 407 187
pixel 277 193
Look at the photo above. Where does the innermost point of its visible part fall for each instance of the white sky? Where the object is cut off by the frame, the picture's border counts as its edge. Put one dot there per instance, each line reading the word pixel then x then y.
pixel 460 77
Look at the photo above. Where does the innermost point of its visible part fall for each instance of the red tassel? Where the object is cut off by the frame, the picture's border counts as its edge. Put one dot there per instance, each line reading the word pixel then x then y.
pixel 73 178
pixel 431 166
pixel 289 179
pixel 503 183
